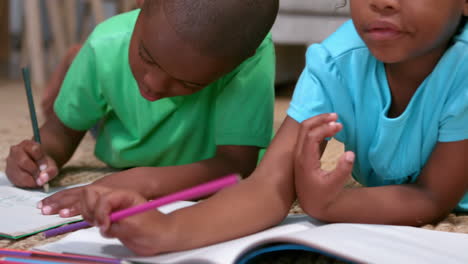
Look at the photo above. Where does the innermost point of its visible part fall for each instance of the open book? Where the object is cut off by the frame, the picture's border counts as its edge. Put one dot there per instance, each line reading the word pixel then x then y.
pixel 19 214
pixel 348 242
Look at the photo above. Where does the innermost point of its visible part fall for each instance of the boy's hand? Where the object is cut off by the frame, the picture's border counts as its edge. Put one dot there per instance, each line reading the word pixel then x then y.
pixel 28 166
pixel 66 203
pixel 141 233
pixel 317 188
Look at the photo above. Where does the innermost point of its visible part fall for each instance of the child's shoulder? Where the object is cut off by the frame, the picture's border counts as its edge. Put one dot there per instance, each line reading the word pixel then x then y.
pixel 462 38
pixel 344 40
pixel 116 25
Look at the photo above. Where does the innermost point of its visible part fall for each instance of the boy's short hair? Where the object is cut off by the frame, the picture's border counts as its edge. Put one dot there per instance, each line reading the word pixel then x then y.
pixel 226 28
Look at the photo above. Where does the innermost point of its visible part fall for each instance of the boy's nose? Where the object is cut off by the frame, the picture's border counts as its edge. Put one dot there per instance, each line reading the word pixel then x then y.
pixel 385 7
pixel 157 83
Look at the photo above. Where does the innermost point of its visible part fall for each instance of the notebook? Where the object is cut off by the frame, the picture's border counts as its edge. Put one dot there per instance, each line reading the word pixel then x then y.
pixel 361 243
pixel 19 214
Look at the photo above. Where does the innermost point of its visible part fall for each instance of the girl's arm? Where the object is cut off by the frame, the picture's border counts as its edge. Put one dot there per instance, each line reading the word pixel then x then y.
pixel 256 203
pixel 441 185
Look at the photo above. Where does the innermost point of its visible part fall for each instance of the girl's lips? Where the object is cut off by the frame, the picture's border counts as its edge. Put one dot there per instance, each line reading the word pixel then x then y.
pixel 383 31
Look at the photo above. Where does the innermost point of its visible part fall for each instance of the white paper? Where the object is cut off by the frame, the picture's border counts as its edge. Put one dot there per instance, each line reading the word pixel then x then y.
pixel 356 242
pixel 19 214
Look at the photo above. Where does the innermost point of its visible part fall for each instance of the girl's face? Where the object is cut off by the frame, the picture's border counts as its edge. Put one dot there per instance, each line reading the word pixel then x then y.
pixel 399 30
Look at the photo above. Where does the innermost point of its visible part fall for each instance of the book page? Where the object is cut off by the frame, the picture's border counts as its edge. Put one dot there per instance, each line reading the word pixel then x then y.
pixel 365 243
pixel 19 214
pixel 90 242
pixel 360 243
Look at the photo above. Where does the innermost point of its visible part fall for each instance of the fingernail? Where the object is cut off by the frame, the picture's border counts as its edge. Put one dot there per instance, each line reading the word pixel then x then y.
pixel 65 212
pixel 43 167
pixel 39 181
pixel 39 205
pixel 332 123
pixel 46 210
pixel 349 156
pixel 44 176
pixel 333 115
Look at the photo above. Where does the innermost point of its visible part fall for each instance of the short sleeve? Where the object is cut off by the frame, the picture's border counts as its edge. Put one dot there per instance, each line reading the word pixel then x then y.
pixel 245 104
pixel 80 103
pixel 454 120
pixel 311 96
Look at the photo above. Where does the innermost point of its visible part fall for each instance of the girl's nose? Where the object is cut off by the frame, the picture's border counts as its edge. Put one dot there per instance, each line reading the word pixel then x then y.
pixel 385 7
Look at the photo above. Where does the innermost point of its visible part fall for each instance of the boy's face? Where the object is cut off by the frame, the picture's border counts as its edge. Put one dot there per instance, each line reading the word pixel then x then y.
pixel 164 65
pixel 399 30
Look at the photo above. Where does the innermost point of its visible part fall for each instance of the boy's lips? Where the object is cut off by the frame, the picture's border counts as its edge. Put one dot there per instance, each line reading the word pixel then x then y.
pixel 382 31
pixel 148 96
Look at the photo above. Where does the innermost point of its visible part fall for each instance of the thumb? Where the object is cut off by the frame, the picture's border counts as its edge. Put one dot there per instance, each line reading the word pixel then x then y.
pixel 48 170
pixel 344 167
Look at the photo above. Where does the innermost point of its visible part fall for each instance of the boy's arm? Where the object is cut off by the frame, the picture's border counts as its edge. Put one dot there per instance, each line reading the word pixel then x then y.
pixel 59 141
pixel 154 182
pixel 441 185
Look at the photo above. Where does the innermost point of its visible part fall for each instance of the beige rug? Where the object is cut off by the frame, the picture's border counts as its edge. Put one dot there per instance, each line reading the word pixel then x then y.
pixel 15 126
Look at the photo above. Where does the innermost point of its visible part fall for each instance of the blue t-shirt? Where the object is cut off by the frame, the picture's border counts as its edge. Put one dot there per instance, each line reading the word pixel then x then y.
pixel 342 76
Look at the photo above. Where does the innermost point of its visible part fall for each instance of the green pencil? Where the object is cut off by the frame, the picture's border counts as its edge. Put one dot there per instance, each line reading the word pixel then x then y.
pixel 32 112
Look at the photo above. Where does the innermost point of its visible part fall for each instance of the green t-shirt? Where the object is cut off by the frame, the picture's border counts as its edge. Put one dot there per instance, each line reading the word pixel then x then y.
pixel 237 109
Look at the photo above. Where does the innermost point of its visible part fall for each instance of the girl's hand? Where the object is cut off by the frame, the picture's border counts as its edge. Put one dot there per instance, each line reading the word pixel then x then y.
pixel 28 165
pixel 317 188
pixel 142 233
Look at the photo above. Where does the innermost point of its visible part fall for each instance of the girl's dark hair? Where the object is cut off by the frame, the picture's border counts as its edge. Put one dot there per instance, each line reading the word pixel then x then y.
pixel 462 24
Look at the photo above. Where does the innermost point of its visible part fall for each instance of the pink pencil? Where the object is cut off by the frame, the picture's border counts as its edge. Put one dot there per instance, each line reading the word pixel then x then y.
pixel 188 194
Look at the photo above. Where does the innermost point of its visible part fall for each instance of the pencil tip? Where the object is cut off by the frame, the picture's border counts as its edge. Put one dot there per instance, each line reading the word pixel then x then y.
pixel 46 188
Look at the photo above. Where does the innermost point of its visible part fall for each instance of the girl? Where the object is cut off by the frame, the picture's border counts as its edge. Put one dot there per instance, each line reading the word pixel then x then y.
pixel 392 85
pixel 398 79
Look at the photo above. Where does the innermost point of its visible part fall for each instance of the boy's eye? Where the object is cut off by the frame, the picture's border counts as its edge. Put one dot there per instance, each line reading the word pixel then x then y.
pixel 192 86
pixel 143 57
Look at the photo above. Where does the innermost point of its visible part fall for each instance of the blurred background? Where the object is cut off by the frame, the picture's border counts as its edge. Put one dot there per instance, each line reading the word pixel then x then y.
pixel 39 32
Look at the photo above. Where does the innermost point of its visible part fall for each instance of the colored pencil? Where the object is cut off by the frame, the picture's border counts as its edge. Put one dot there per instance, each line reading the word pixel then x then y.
pixel 31 260
pixel 32 112
pixel 59 256
pixel 187 194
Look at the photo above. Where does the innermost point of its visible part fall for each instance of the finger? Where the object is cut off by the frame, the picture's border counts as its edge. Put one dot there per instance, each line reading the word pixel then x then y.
pixel 21 178
pixel 18 158
pixel 28 165
pixel 343 169
pixel 61 200
pixel 34 150
pixel 318 135
pixel 114 201
pixel 89 199
pixel 74 210
pixel 312 123
pixel 48 171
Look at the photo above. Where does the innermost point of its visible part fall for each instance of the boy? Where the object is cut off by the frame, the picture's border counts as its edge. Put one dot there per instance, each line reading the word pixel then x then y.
pixel 171 87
